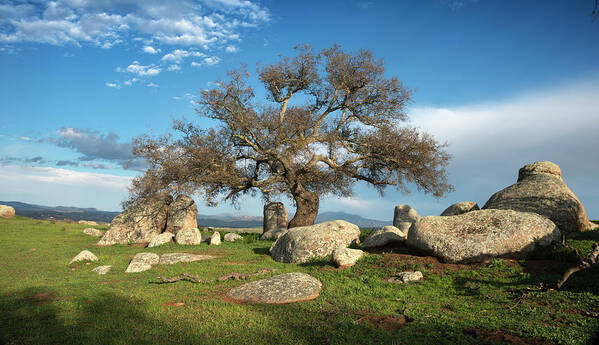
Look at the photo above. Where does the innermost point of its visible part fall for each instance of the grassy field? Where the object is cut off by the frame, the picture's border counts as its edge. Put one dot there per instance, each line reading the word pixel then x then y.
pixel 43 300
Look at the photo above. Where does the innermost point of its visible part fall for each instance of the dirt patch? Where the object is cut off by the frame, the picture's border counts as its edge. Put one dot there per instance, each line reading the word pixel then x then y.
pixel 42 298
pixel 384 322
pixel 486 336
pixel 142 245
pixel 429 263
pixel 173 304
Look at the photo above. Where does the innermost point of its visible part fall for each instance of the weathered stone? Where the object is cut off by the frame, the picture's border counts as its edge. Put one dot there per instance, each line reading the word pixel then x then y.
pixel 93 232
pixel 142 262
pixel 386 235
pixel 173 258
pixel 215 239
pixel 404 213
pixel 345 257
pixel 139 223
pixel 284 288
pixel 303 243
pixel 161 239
pixel 540 189
pixel 232 237
pixel 101 270
pixel 460 208
pixel 189 236
pixel 481 235
pixel 84 255
pixel 405 277
pixel 275 220
pixel 182 214
pixel 87 222
pixel 6 211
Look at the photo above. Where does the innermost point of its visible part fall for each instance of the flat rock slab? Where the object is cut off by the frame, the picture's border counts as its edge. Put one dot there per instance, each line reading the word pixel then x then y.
pixel 405 277
pixel 142 262
pixel 173 258
pixel 93 232
pixel 84 255
pixel 284 288
pixel 101 270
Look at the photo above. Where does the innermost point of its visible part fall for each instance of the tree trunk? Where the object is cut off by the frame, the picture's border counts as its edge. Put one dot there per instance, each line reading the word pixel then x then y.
pixel 307 209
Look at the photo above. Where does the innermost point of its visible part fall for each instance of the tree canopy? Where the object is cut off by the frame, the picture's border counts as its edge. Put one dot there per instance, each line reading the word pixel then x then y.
pixel 330 119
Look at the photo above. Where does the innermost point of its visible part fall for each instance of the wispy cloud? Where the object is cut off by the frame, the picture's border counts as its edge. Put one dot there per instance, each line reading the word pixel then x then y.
pixel 178 55
pixel 152 85
pixel 113 85
pixel 141 70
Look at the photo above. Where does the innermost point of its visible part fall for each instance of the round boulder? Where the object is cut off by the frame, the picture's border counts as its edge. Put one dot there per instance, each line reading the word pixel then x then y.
pixel 303 243
pixel 232 237
pixel 161 239
pixel 346 257
pixel 284 288
pixel 385 235
pixel 541 190
pixel 6 211
pixel 481 235
pixel 460 208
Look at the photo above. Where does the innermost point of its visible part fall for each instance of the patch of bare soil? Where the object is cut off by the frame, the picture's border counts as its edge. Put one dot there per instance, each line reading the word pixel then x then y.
pixel 142 245
pixel 173 304
pixel 487 336
pixel 245 262
pixel 42 298
pixel 384 322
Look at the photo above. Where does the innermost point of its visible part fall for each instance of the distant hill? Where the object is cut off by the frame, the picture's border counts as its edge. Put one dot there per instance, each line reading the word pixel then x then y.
pixel 60 212
pixel 221 221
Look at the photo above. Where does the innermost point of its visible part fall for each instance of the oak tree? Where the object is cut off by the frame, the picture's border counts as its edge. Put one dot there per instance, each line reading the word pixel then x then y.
pixel 330 119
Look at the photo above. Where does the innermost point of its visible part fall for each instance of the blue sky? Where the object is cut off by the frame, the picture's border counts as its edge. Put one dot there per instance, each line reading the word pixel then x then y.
pixel 505 83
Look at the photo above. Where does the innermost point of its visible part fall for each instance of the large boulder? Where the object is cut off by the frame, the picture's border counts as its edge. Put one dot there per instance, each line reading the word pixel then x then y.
pixel 540 189
pixel 460 208
pixel 139 223
pixel 275 220
pixel 385 235
pixel 6 211
pixel 404 213
pixel 191 236
pixel 284 288
pixel 303 243
pixel 182 214
pixel 481 235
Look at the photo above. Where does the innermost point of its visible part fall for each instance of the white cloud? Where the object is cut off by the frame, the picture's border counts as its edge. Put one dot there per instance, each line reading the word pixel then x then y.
pixel 172 68
pixel 106 23
pixel 152 85
pixel 231 49
pixel 113 85
pixel 131 81
pixel 54 186
pixel 178 55
pixel 195 64
pixel 209 61
pixel 140 70
pixel 150 50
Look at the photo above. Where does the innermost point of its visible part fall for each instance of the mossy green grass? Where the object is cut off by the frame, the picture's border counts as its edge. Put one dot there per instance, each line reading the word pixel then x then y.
pixel 43 300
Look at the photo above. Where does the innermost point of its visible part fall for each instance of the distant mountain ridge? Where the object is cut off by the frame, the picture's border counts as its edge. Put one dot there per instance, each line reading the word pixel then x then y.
pixel 222 220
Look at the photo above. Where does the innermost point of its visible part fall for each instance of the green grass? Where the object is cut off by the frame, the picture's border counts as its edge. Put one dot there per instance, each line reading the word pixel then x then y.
pixel 43 300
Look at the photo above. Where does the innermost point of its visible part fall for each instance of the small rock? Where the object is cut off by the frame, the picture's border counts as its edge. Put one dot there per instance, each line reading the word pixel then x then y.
pixel 87 222
pixel 232 237
pixel 385 235
pixel 93 232
pixel 189 236
pixel 85 255
pixel 346 257
pixel 460 208
pixel 284 288
pixel 101 270
pixel 173 258
pixel 163 238
pixel 6 211
pixel 142 262
pixel 215 239
pixel 405 277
